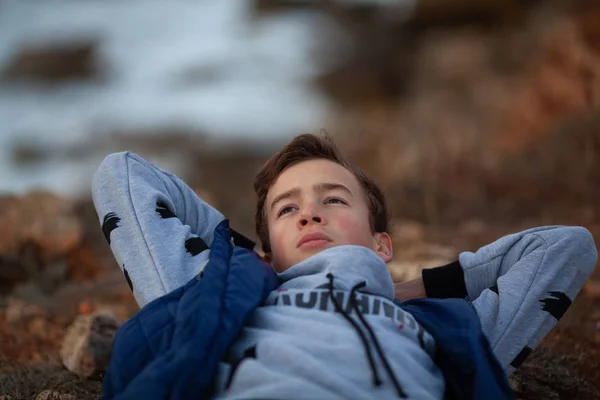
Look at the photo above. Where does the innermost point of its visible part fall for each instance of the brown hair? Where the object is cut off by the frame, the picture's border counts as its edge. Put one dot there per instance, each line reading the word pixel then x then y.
pixel 309 147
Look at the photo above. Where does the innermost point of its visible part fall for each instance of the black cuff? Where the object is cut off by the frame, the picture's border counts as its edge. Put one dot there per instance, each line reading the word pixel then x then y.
pixel 445 282
pixel 242 241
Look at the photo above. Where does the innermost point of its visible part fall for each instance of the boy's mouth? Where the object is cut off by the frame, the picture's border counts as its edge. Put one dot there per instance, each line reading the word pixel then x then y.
pixel 313 240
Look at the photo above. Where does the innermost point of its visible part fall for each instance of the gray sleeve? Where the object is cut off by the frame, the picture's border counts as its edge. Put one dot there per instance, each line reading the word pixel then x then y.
pixel 157 227
pixel 522 284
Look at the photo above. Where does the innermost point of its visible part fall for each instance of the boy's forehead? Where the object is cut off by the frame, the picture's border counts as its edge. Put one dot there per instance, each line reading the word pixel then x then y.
pixel 307 173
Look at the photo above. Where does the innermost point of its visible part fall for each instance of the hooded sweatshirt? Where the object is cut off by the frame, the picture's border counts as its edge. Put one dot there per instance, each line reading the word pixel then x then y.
pixel 300 344
pixel 311 337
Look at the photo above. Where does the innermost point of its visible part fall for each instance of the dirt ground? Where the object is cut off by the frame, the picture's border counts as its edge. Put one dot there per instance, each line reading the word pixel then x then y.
pixel 564 366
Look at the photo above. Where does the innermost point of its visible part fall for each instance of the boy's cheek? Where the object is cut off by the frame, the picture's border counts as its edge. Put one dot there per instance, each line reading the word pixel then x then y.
pixel 352 230
pixel 278 247
pixel 275 237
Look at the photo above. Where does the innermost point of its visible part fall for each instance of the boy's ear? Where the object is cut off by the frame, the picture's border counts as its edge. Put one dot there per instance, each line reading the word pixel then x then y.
pixel 383 246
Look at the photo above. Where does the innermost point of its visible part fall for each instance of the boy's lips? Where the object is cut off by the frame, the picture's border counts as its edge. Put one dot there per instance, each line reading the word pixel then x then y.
pixel 311 240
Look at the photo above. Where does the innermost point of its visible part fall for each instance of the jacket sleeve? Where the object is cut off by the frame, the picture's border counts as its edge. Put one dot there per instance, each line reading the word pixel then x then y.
pixel 156 226
pixel 520 285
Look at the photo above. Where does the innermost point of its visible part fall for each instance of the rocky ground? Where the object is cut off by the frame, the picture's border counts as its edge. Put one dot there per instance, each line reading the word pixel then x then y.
pixel 63 297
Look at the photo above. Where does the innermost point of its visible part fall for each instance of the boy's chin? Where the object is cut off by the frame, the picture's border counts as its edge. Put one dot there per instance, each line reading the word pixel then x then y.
pixel 305 254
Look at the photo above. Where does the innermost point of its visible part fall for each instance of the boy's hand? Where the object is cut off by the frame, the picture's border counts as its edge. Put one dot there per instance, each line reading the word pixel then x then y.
pixel 409 290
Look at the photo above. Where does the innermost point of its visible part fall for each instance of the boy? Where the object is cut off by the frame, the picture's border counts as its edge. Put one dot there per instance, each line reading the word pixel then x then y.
pixel 332 329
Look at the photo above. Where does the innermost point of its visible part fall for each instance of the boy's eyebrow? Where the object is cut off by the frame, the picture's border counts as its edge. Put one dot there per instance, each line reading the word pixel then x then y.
pixel 285 195
pixel 323 187
pixel 319 187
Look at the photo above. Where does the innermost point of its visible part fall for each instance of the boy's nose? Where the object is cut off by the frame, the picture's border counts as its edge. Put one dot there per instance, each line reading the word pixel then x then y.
pixel 306 221
pixel 309 216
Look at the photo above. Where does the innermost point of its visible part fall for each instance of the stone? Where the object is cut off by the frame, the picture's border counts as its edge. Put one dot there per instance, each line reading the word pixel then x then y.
pixel 18 310
pixel 87 346
pixel 38 326
pixel 44 229
pixel 83 264
pixel 30 293
pixel 44 221
pixel 121 311
pixel 52 276
pixel 53 395
pixel 53 62
pixel 408 231
pixel 472 226
pixel 403 271
pixel 443 13
pixel 406 270
pixel 514 384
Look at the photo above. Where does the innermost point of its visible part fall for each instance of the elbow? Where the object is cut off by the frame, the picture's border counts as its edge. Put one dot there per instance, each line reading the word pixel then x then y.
pixel 111 164
pixel 581 244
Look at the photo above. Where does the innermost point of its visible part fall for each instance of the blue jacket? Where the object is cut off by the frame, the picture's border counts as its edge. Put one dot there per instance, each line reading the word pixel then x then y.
pixel 171 348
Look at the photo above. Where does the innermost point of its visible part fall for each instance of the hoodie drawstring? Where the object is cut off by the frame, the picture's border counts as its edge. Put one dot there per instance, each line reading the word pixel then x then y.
pixel 376 379
pixel 382 356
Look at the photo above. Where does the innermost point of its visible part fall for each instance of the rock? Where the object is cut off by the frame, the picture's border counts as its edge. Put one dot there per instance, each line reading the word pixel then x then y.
pixel 408 231
pixel 563 84
pixel 43 230
pixel 430 13
pixel 30 293
pixel 53 62
pixel 121 311
pixel 16 264
pixel 514 384
pixel 83 264
pixel 18 311
pixel 279 5
pixel 28 154
pixel 415 252
pixel 38 326
pixel 87 346
pixel 404 270
pixel 43 279
pixel 472 226
pixel 40 218
pixel 427 255
pixel 52 395
pixel 52 276
pixel 5 398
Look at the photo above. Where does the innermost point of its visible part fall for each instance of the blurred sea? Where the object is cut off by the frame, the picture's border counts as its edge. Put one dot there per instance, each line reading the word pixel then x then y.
pixel 199 66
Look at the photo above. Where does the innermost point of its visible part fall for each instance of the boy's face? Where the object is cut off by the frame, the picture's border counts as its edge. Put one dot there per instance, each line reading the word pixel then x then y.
pixel 315 205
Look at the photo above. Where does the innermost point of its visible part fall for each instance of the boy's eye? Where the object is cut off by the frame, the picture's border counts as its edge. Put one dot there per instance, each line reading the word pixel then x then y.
pixel 333 200
pixel 285 210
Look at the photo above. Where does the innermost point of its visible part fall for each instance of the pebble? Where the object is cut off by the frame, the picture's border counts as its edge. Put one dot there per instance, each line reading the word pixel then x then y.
pixel 87 346
pixel 52 395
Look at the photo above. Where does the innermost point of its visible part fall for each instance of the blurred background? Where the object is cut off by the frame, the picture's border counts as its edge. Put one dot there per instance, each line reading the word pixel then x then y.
pixel 477 118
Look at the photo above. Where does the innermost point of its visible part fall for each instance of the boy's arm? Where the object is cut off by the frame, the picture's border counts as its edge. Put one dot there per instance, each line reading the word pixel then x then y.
pixel 156 226
pixel 520 285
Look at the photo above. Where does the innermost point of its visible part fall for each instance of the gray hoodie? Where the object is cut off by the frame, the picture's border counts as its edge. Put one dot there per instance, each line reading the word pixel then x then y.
pixel 301 345
pixel 297 345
